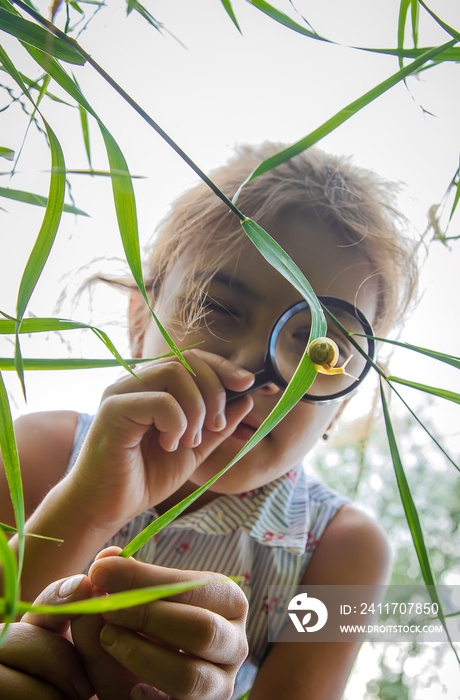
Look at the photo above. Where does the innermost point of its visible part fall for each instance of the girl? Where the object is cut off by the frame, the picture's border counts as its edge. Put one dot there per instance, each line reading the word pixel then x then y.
pixel 92 481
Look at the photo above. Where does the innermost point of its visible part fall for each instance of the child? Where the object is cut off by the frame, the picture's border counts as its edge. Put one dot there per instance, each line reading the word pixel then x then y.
pixel 154 441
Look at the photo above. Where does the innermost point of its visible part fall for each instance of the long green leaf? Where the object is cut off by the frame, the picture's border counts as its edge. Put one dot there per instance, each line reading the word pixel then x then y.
pixel 41 325
pixel 36 199
pixel 13 476
pixel 14 530
pixel 6 153
pixel 114 601
pixel 49 227
pixel 125 206
pixel 435 391
pixel 411 512
pixel 37 36
pixel 229 10
pixel 441 356
pixel 343 115
pixel 10 584
pixel 40 364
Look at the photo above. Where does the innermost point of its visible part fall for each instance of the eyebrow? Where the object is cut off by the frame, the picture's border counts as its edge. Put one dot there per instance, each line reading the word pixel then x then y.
pixel 235 285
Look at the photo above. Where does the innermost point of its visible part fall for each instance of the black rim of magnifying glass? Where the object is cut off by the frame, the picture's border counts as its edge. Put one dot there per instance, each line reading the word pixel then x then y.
pixel 326 302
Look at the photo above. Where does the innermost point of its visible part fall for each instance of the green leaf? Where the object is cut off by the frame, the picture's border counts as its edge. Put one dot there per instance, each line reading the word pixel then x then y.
pixel 14 530
pixel 125 206
pixel 282 18
pixel 85 131
pixel 441 356
pixel 229 10
pixel 12 572
pixel 410 510
pixel 36 199
pixel 441 393
pixel 10 584
pixel 450 30
pixel 40 325
pixel 114 601
pixel 50 363
pixel 49 227
pixel 343 115
pixel 6 153
pixel 41 38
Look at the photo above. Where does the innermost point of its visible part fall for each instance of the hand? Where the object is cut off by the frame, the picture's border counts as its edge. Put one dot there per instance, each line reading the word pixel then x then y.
pixel 189 646
pixel 150 434
pixel 37 660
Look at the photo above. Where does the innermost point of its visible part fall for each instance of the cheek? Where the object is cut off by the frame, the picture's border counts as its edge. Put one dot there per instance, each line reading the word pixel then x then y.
pixel 301 429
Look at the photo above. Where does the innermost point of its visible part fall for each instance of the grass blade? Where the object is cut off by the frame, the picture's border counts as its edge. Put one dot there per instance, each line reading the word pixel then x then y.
pixel 125 206
pixel 38 36
pixel 85 132
pixel 411 513
pixel 14 530
pixel 49 227
pixel 229 10
pixel 344 114
pixel 10 584
pixel 441 356
pixel 36 199
pixel 435 391
pixel 12 572
pixel 283 19
pixel 6 153
pixel 114 601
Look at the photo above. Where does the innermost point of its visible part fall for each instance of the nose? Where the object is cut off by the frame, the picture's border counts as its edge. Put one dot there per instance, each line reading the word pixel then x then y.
pixel 249 353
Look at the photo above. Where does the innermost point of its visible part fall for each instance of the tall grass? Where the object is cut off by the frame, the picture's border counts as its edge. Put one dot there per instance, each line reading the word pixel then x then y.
pixel 50 47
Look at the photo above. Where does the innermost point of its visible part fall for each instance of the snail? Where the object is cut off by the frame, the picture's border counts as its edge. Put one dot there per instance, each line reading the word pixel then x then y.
pixel 324 354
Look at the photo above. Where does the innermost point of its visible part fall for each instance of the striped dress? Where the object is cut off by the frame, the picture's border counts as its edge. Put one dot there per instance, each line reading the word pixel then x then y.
pixel 265 536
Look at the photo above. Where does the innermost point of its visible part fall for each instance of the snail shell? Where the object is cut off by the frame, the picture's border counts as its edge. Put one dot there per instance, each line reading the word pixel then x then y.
pixel 324 352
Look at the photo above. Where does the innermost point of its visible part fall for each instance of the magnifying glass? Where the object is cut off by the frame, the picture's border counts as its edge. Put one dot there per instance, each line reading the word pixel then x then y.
pixel 289 338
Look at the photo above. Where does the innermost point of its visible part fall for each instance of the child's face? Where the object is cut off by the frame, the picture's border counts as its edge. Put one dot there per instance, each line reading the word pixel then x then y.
pixel 253 295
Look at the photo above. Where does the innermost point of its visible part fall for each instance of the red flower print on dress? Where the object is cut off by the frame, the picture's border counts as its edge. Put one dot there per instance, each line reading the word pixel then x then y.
pixel 311 541
pixel 183 548
pixel 272 604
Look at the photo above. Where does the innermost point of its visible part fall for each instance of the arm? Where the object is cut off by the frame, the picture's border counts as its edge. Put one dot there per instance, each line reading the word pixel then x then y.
pixel 353 550
pixel 149 435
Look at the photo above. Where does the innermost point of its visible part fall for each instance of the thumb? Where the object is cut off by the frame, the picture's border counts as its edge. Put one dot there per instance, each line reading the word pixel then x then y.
pixel 67 590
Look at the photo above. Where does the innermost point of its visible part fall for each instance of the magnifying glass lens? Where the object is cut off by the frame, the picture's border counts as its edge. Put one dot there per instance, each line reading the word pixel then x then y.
pixel 292 341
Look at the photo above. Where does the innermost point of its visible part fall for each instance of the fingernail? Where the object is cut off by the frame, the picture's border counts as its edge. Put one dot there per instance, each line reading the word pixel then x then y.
pixel 241 372
pixel 197 438
pixel 220 421
pixel 70 585
pixel 137 693
pixel 108 635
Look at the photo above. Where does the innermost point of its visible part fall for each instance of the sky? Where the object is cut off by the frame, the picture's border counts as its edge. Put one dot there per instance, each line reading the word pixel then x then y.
pixel 212 88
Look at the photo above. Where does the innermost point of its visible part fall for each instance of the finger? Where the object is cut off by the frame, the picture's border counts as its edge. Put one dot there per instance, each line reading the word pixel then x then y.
pixel 213 374
pixel 38 653
pixel 23 687
pixel 130 416
pixel 66 590
pixel 235 412
pixel 220 595
pixel 110 680
pixel 195 630
pixel 171 671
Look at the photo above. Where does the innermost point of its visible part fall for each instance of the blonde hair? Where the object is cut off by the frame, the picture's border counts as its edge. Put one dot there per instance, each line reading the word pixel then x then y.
pixel 352 202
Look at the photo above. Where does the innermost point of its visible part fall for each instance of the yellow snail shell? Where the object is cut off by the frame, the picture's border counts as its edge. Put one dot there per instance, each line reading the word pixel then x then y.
pixel 324 354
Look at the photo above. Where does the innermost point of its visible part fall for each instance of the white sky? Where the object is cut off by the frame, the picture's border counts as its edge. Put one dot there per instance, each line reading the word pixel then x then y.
pixel 221 90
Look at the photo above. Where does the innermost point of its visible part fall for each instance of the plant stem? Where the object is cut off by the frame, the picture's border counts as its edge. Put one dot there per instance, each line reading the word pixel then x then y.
pixel 151 122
